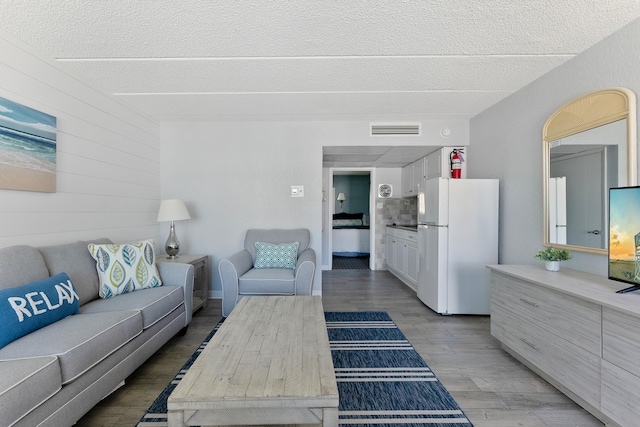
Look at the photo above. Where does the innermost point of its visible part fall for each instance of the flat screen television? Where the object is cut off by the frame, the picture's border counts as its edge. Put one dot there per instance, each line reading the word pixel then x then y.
pixel 624 236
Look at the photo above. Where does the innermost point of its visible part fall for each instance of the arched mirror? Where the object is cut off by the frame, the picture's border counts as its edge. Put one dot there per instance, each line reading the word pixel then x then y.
pixel 589 146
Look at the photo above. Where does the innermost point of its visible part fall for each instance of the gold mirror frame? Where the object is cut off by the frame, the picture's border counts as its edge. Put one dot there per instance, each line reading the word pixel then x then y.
pixel 587 112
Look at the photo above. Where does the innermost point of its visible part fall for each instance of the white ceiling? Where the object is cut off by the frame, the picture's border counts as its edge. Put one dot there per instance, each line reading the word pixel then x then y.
pixel 322 60
pixel 373 156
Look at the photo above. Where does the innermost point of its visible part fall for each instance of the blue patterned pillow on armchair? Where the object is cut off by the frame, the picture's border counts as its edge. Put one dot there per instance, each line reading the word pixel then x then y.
pixel 271 255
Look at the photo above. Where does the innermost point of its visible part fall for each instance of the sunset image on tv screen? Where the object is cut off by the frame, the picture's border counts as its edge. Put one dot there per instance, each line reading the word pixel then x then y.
pixel 624 233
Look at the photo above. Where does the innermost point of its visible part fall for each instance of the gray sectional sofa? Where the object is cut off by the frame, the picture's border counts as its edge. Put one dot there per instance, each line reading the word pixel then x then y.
pixel 54 375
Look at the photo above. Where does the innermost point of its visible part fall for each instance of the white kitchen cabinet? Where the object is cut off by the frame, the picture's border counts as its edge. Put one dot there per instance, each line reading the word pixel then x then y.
pixel 576 332
pixel 402 255
pixel 412 176
pixel 407 180
pixel 411 262
pixel 398 255
pixel 389 250
pixel 419 174
pixel 433 164
pixel 437 164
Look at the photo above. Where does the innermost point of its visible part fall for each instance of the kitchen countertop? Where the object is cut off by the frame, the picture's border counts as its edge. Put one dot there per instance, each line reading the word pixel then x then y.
pixel 405 227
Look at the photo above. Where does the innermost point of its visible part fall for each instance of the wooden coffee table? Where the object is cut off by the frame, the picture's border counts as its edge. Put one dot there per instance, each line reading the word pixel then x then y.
pixel 269 363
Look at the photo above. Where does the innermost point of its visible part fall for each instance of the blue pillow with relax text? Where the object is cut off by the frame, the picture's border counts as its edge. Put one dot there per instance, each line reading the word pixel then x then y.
pixel 25 308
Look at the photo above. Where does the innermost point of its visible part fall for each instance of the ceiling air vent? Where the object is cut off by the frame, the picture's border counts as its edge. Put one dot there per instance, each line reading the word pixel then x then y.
pixel 395 129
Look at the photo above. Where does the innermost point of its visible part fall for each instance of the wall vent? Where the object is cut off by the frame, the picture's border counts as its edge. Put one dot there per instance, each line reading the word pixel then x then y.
pixel 395 129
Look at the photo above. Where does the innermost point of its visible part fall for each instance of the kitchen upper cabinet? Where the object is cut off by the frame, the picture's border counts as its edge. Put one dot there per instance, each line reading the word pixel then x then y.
pixel 412 175
pixel 419 173
pixel 407 180
pixel 434 164
pixel 437 163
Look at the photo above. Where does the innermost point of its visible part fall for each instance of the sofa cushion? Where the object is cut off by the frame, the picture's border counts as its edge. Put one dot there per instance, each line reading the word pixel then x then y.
pixel 276 281
pixel 154 303
pixel 25 384
pixel 271 255
pixel 19 265
pixel 80 341
pixel 125 267
pixel 25 308
pixel 75 260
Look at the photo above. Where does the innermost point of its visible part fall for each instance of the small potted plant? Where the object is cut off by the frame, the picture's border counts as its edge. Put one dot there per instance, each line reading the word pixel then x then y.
pixel 552 257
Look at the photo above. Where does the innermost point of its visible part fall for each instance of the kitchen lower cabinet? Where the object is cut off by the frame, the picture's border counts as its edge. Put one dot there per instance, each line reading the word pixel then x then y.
pixel 410 252
pixel 390 245
pixel 402 255
pixel 573 330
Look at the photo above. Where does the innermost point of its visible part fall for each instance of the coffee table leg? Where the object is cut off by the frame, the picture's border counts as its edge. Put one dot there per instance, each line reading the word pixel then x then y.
pixel 176 419
pixel 330 417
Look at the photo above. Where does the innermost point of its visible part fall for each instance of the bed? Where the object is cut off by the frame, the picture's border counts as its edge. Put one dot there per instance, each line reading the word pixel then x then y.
pixel 350 235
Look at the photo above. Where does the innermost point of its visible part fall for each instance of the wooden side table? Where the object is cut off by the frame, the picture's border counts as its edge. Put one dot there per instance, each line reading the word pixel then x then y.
pixel 200 277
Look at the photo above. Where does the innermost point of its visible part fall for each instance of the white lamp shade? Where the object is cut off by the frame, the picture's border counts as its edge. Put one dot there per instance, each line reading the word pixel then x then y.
pixel 173 210
pixel 342 197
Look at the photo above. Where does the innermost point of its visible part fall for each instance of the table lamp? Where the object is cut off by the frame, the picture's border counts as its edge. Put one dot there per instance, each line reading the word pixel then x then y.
pixel 341 198
pixel 172 210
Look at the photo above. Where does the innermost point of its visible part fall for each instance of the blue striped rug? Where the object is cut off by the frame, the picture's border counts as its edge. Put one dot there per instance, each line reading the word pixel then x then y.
pixel 382 380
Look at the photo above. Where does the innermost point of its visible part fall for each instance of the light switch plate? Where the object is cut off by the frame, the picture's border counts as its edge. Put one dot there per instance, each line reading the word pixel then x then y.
pixel 297 191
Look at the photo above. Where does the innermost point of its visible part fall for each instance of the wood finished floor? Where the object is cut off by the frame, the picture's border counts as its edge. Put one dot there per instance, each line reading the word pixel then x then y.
pixel 493 388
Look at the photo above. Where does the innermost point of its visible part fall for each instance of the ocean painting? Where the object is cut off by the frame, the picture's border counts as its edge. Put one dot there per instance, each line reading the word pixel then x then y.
pixel 27 148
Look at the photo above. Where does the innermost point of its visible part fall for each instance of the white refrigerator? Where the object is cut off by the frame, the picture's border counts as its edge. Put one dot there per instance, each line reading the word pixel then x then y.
pixel 457 239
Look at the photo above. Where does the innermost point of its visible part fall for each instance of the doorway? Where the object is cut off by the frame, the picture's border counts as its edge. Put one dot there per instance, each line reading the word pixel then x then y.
pixel 350 242
pixel 585 196
pixel 360 262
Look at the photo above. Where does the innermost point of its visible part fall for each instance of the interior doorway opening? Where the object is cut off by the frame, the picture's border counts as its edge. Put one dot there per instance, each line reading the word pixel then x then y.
pixel 350 242
pixel 360 262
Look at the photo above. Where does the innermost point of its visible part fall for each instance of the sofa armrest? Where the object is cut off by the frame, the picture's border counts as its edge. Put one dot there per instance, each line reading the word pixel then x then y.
pixel 179 274
pixel 305 270
pixel 230 270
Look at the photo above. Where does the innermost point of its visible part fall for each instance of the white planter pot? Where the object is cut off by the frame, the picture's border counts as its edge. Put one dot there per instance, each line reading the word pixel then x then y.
pixel 552 265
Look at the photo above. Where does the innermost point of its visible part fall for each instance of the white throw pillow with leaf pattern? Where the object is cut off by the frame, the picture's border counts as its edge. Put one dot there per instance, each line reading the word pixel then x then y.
pixel 125 267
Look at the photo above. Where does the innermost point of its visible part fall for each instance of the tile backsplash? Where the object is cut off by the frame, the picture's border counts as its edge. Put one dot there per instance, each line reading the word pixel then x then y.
pixel 392 211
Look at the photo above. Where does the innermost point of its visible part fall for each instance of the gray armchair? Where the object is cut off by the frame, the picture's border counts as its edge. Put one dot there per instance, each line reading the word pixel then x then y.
pixel 240 278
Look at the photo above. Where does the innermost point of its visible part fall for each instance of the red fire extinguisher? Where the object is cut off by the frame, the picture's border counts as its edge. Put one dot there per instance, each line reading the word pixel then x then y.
pixel 456 159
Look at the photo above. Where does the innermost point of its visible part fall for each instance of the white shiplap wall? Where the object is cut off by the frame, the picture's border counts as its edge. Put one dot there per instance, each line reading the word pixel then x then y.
pixel 108 159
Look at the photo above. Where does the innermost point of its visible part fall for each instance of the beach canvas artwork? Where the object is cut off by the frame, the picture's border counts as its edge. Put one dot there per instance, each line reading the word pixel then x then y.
pixel 27 148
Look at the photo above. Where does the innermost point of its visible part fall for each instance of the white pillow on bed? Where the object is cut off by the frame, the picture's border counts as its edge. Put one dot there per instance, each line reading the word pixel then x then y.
pixel 347 222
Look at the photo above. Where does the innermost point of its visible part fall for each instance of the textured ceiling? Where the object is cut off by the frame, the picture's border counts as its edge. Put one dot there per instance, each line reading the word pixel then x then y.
pixel 373 156
pixel 321 60
pixel 338 60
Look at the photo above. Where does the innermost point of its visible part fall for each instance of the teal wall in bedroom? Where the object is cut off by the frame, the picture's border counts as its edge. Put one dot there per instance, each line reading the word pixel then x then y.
pixel 356 188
